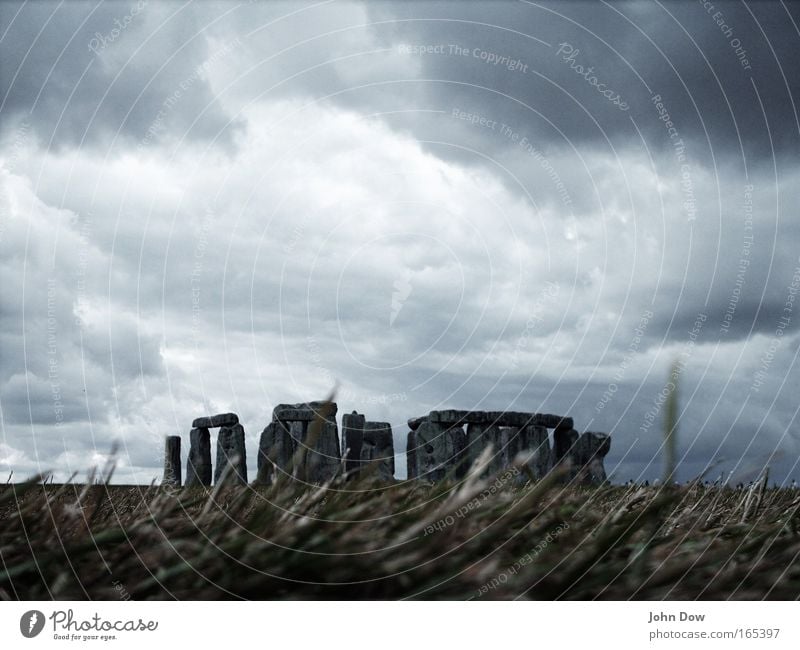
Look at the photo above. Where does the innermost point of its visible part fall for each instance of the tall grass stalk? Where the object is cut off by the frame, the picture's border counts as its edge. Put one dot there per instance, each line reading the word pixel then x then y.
pixel 671 426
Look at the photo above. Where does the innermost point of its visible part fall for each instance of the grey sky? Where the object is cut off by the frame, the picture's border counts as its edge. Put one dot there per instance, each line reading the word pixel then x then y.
pixel 224 206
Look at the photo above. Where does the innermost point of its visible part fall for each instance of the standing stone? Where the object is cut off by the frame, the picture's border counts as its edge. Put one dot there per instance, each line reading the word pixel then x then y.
pixel 297 432
pixel 479 436
pixel 439 451
pixel 231 452
pixel 564 441
pixel 378 447
pixel 411 455
pixel 475 443
pixel 172 461
pixel 565 447
pixel 352 439
pixel 592 448
pixel 274 446
pixel 325 462
pixel 509 445
pixel 437 445
pixel 198 465
pixel 535 444
pixel 321 456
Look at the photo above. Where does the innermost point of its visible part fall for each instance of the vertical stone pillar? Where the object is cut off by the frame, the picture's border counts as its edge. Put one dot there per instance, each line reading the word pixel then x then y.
pixel 509 445
pixel 297 430
pixel 473 443
pixel 479 436
pixel 352 439
pixel 322 462
pixel 565 447
pixel 274 446
pixel 439 451
pixel 378 447
pixel 198 464
pixel 411 455
pixel 231 452
pixel 172 461
pixel 329 452
pixel 592 448
pixel 535 442
pixel 316 439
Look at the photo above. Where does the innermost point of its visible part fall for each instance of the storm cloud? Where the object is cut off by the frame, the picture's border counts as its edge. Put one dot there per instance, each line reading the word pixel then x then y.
pixel 227 205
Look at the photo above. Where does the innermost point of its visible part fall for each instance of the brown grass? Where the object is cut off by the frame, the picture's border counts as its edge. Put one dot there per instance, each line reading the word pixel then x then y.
pixel 353 540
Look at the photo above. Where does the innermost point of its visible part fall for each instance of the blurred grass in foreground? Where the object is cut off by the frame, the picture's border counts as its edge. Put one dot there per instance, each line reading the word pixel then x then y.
pixel 358 539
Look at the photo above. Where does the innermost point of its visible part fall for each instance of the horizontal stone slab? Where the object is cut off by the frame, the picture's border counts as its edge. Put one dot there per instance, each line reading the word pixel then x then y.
pixel 500 418
pixel 214 421
pixel 305 412
pixel 414 423
pixel 378 431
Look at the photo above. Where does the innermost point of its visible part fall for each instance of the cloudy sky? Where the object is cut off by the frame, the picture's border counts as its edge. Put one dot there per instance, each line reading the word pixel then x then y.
pixel 542 207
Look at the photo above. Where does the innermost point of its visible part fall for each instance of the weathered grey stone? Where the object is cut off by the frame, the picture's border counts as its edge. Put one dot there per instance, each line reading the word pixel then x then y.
pixel 452 416
pixel 506 445
pixel 320 457
pixel 591 449
pixel 582 455
pixel 596 472
pixel 565 424
pixel 564 441
pixel 599 443
pixel 411 454
pixel 214 421
pixel 499 418
pixel 325 463
pixel 352 439
pixel 438 451
pixel 305 412
pixel 378 447
pixel 508 442
pixel 510 445
pixel 479 436
pixel 437 444
pixel 198 464
pixel 297 430
pixel 274 446
pixel 535 444
pixel 231 452
pixel 172 461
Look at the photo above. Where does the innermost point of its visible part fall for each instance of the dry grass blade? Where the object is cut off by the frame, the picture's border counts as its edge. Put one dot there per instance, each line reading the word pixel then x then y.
pixel 348 540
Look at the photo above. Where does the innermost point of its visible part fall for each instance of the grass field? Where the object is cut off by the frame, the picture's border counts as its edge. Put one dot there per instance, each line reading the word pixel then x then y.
pixel 484 538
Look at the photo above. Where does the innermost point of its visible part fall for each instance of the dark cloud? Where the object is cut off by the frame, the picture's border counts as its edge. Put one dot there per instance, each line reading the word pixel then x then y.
pixel 91 73
pixel 720 105
pixel 295 199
